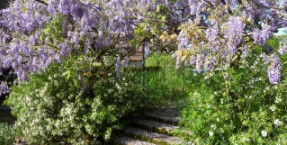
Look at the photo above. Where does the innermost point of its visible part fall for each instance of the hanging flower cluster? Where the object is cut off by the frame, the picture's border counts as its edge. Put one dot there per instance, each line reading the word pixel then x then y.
pixel 226 30
pixel 35 33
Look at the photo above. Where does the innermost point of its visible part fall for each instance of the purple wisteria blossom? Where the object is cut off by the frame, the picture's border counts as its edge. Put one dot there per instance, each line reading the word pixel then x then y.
pixel 4 89
pixel 192 60
pixel 118 66
pixel 208 64
pixel 282 48
pixel 199 62
pixel 261 36
pixel 234 33
pixel 211 34
pixel 183 41
pixel 35 34
pixel 274 70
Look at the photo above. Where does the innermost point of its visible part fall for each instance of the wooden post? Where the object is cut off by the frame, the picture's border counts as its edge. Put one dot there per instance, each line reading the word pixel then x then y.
pixel 183 77
pixel 143 67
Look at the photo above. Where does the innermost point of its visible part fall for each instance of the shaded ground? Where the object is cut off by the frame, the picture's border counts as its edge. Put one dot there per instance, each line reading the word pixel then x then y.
pixel 4 4
pixel 5 115
pixel 158 126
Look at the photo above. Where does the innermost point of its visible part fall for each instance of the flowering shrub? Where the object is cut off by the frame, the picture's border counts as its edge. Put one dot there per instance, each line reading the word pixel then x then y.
pixel 238 106
pixel 36 33
pixel 214 36
pixel 75 102
pixel 208 34
pixel 7 134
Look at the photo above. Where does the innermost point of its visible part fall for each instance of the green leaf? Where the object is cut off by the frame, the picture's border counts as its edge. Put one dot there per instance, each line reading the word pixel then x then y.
pixel 67 74
pixel 158 8
pixel 97 64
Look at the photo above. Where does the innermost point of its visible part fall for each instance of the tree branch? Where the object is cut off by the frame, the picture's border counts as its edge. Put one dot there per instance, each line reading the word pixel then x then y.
pixel 42 2
pixel 145 18
pixel 209 3
pixel 268 7
pixel 229 10
pixel 240 1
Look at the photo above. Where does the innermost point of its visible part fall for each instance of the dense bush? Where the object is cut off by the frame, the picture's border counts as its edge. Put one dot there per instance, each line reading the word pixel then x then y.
pixel 75 102
pixel 7 134
pixel 238 106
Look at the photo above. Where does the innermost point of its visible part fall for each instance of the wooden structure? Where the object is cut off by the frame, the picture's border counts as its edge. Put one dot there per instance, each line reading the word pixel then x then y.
pixel 136 59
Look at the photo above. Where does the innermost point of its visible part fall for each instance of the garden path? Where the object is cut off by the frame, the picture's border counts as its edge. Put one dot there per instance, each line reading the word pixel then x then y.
pixel 154 127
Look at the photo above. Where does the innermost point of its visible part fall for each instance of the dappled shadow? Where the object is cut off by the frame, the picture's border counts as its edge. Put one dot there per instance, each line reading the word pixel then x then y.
pixel 5 115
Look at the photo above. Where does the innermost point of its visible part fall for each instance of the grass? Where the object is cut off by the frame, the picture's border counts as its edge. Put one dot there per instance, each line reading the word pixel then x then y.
pixel 164 86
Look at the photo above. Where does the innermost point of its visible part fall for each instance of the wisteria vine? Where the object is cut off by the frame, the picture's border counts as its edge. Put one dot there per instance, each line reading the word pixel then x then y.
pixel 229 31
pixel 207 33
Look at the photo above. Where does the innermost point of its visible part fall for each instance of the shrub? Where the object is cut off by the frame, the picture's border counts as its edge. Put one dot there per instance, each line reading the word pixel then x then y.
pixel 7 134
pixel 238 106
pixel 75 102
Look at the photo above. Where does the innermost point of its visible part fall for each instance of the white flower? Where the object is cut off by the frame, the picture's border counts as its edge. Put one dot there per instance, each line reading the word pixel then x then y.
pixel 213 126
pixel 267 88
pixel 110 91
pixel 277 122
pixel 260 79
pixel 118 86
pixel 278 100
pixel 244 139
pixel 263 133
pixel 210 133
pixel 275 87
pixel 272 108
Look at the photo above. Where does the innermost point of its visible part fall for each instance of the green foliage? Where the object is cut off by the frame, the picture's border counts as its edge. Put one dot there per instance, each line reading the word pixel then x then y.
pixel 163 60
pixel 151 27
pixel 163 86
pixel 274 42
pixel 7 134
pixel 74 102
pixel 238 106
pixel 53 30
